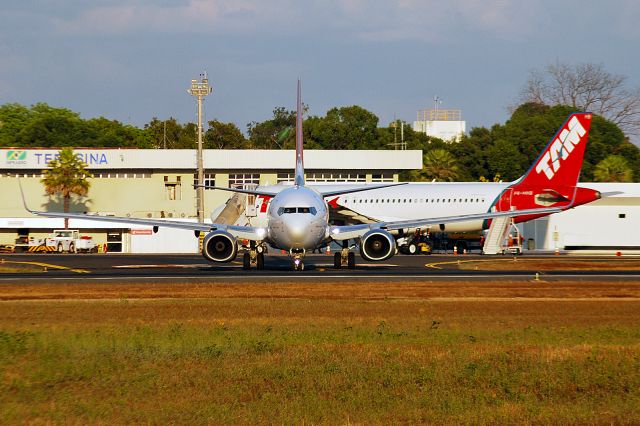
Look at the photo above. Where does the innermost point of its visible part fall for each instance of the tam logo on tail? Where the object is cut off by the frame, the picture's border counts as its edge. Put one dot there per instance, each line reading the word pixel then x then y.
pixel 561 148
pixel 553 177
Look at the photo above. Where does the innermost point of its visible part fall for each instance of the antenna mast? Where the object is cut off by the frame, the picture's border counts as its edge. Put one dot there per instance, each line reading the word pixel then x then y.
pixel 200 89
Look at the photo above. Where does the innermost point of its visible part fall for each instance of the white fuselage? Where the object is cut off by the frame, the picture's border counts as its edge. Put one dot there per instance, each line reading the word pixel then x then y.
pixel 414 201
pixel 425 200
pixel 297 219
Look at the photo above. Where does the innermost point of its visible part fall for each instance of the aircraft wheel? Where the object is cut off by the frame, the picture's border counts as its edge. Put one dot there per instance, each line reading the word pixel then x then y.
pixel 301 267
pixel 337 260
pixel 260 261
pixel 246 261
pixel 351 260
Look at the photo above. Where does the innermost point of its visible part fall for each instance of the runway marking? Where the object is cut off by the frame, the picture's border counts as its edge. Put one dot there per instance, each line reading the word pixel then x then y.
pixel 168 265
pixel 208 265
pixel 333 277
pixel 47 266
pixel 456 262
pixel 359 265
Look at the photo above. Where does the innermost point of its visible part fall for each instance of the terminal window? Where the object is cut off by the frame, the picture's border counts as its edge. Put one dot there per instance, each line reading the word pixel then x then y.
pixel 244 180
pixel 209 179
pixel 382 177
pixel 325 177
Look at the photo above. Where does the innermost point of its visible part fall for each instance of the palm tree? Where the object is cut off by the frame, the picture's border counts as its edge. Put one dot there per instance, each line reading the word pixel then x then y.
pixel 66 176
pixel 440 164
pixel 614 168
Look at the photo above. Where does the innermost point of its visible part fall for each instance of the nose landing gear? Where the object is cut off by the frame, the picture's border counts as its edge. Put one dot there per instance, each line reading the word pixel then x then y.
pixel 297 255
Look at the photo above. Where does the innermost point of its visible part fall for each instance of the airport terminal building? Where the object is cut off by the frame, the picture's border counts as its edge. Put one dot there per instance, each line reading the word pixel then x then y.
pixel 158 183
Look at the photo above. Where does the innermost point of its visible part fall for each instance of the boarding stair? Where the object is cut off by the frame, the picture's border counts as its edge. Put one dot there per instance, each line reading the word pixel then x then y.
pixel 233 210
pixel 494 242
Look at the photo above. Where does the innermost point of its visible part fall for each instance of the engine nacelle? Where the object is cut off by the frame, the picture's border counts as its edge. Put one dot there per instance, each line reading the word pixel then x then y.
pixel 219 246
pixel 377 245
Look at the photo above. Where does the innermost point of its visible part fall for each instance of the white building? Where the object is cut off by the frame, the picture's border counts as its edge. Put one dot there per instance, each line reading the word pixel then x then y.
pixel 611 223
pixel 445 124
pixel 155 183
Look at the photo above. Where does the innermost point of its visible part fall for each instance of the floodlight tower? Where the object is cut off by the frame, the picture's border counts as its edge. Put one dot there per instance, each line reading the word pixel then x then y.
pixel 200 89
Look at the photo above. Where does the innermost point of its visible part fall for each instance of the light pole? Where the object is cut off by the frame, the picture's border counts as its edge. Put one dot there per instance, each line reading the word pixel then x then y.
pixel 200 89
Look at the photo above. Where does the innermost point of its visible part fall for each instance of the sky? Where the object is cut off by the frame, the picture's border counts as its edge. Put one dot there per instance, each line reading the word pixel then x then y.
pixel 132 60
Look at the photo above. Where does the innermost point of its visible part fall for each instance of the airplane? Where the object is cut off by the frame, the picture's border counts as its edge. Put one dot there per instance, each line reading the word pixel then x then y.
pixel 298 219
pixel 551 181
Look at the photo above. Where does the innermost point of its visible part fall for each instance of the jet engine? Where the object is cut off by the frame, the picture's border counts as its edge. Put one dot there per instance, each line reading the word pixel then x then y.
pixel 377 245
pixel 219 246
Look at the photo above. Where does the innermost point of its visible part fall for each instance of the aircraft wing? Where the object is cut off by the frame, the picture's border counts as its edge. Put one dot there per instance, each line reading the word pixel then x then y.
pixel 355 231
pixel 333 192
pixel 272 191
pixel 240 232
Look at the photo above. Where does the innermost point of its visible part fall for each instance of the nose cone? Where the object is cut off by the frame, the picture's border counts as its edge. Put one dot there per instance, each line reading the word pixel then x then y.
pixel 297 230
pixel 297 233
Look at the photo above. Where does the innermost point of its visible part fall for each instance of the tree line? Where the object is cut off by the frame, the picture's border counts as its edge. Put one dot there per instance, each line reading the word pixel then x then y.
pixel 500 152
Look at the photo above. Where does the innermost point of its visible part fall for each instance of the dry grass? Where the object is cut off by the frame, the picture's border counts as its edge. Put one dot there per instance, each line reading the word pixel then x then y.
pixel 367 353
pixel 311 289
pixel 564 263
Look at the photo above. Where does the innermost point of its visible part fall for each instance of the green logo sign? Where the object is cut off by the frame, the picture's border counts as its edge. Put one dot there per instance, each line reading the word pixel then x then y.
pixel 14 155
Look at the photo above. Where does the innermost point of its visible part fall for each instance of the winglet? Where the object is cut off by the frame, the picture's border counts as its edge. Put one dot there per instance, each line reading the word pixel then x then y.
pixel 24 201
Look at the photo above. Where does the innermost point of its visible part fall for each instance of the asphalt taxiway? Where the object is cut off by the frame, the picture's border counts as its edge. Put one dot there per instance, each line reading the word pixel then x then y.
pixel 194 268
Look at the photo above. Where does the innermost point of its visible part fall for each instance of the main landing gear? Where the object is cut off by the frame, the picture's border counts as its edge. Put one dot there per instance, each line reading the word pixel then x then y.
pixel 344 257
pixel 253 257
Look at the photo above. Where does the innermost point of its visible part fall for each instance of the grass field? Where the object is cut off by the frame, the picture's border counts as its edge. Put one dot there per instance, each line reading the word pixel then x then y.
pixel 368 353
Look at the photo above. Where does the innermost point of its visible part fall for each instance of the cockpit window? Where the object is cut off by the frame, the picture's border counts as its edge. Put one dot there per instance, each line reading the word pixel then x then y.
pixel 306 210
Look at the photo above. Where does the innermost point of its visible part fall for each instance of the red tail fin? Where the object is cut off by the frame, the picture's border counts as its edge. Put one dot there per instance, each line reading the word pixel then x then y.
pixel 561 161
pixel 552 179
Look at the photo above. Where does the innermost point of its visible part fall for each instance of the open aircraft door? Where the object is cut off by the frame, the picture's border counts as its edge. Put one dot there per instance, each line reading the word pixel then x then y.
pixel 504 203
pixel 250 202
